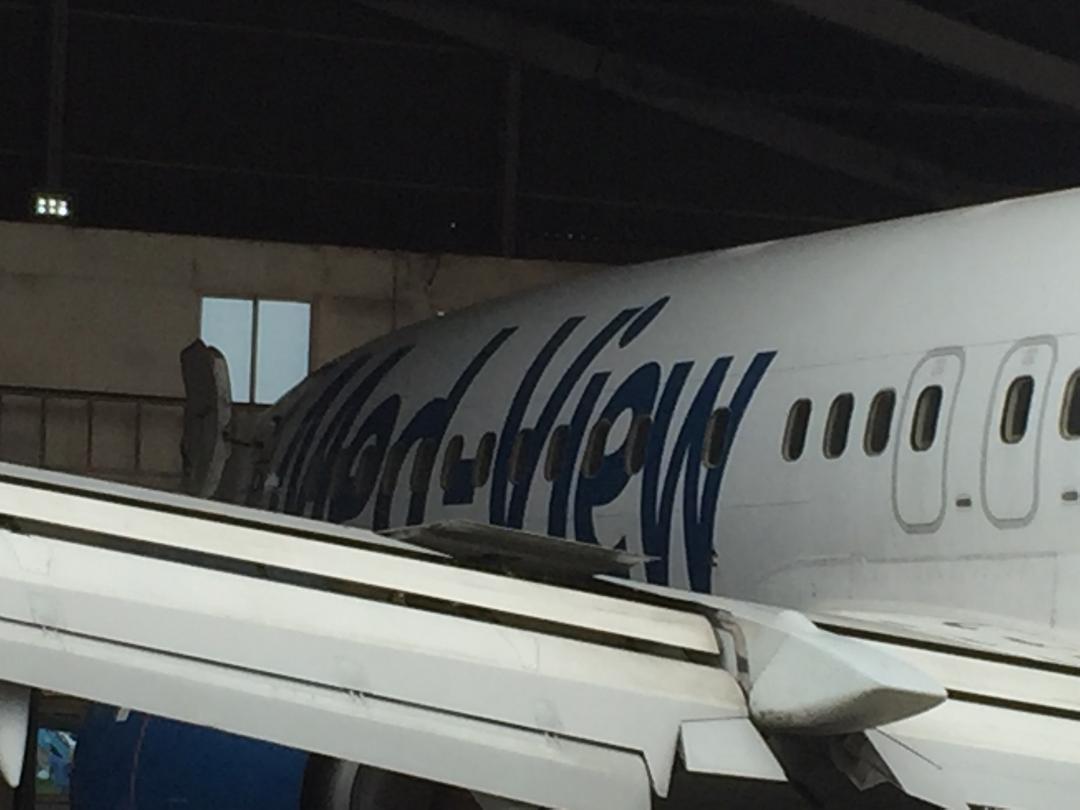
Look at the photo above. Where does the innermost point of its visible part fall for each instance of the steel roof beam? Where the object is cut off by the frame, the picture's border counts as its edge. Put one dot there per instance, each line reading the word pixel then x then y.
pixel 656 87
pixel 954 43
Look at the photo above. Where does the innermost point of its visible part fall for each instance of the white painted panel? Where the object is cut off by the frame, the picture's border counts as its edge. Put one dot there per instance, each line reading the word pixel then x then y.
pixel 999 757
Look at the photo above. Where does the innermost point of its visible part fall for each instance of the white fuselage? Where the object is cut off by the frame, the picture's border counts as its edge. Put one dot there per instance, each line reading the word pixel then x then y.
pixel 970 526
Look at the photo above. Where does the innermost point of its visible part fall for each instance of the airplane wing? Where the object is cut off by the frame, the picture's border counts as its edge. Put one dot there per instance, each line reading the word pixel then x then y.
pixel 394 653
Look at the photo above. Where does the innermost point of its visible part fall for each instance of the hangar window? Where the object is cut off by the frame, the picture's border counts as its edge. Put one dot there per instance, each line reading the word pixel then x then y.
pixel 798 421
pixel 594 450
pixel 924 425
pixel 485 453
pixel 716 437
pixel 556 452
pixel 1014 417
pixel 837 426
pixel 423 465
pixel 454 450
pixel 879 422
pixel 637 442
pixel 1070 408
pixel 267 344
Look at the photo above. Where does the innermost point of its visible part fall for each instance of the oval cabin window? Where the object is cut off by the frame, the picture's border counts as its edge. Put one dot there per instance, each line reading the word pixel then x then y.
pixel 594 451
pixel 519 457
pixel 1070 408
pixel 716 437
pixel 1014 417
pixel 637 442
pixel 394 460
pixel 367 470
pixel 837 425
pixel 798 421
pixel 924 425
pixel 423 465
pixel 485 453
pixel 879 422
pixel 454 450
pixel 556 452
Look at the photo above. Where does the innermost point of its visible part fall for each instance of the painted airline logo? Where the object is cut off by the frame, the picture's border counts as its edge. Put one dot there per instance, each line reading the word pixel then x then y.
pixel 316 468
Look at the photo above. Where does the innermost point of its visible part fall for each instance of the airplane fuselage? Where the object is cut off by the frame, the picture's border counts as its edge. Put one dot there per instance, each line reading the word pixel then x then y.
pixel 693 368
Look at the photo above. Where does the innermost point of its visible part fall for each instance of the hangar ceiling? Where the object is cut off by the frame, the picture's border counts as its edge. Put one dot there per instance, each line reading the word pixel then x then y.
pixel 611 130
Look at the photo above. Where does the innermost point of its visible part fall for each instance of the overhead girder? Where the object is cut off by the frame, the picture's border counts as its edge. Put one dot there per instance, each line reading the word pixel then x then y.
pixel 661 89
pixel 954 43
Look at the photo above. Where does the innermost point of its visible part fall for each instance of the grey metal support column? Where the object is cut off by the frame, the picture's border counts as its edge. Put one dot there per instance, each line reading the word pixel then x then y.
pixel 58 42
pixel 511 156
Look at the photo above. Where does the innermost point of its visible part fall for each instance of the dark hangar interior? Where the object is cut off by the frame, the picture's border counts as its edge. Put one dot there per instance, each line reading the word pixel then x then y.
pixel 600 130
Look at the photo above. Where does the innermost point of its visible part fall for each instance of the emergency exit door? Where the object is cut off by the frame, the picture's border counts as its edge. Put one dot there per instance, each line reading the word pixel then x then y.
pixel 1010 475
pixel 919 480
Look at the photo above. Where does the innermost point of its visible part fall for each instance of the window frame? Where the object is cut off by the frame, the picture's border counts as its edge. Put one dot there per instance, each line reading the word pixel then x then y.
pixel 368 467
pixel 516 469
pixel 1070 397
pixel 637 443
pixel 716 430
pixel 593 459
pixel 391 474
pixel 485 457
pixel 555 457
pixel 836 413
pixel 252 348
pixel 1007 431
pixel 884 395
pixel 455 449
pixel 790 422
pixel 918 418
pixel 423 466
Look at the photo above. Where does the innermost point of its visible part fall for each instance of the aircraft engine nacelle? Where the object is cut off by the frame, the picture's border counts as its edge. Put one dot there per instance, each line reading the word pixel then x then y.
pixel 331 784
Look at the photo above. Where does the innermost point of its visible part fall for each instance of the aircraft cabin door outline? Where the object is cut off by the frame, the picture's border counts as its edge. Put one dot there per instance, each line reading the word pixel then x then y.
pixel 922 448
pixel 1012 438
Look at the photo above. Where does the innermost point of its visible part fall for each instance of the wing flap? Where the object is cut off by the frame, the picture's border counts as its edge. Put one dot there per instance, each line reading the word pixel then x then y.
pixel 519 552
pixel 219 535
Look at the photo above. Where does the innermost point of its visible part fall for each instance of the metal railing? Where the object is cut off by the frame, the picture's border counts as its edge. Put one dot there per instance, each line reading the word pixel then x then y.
pixel 130 437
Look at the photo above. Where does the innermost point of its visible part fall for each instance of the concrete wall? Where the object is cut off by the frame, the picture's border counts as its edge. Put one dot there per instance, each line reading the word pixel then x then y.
pixel 109 311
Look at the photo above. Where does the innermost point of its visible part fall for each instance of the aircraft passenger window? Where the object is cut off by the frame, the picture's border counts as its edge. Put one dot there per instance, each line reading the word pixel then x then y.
pixel 519 457
pixel 716 437
pixel 1014 418
pixel 924 425
pixel 594 450
pixel 837 425
pixel 485 453
pixel 423 465
pixel 1070 409
pixel 394 459
pixel 637 442
pixel 555 453
pixel 798 421
pixel 367 469
pixel 879 422
pixel 454 450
